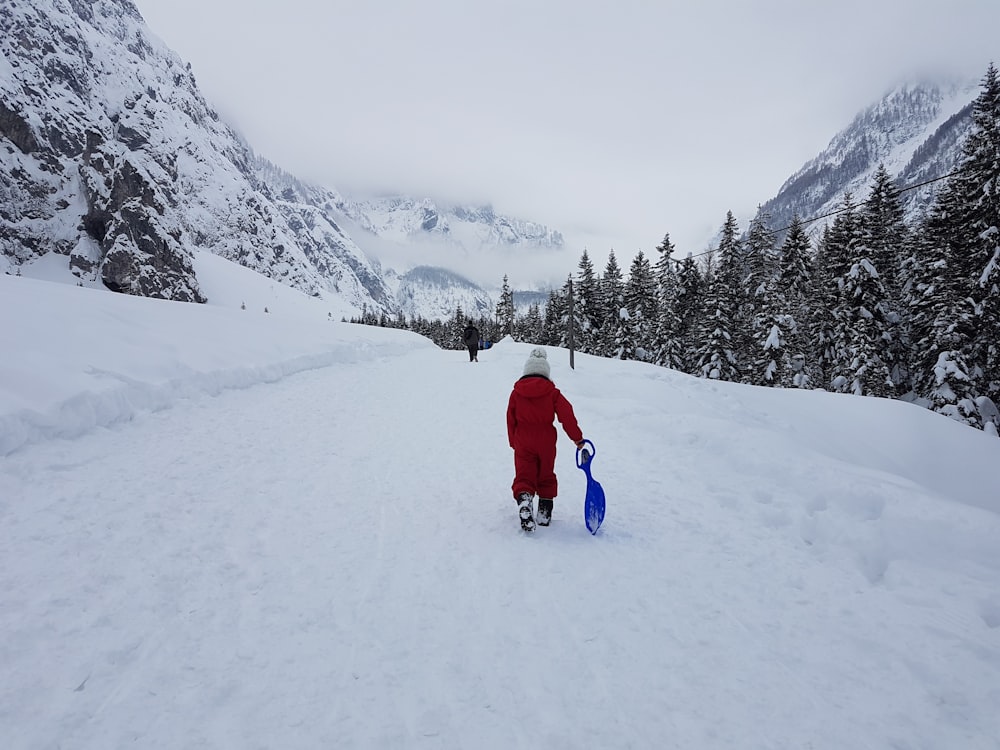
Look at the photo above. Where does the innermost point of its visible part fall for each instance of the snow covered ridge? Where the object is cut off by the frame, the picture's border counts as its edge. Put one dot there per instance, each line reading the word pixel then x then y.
pixel 79 358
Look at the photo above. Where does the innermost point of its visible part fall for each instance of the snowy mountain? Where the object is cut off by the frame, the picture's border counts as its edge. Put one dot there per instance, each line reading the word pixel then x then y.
pixel 428 250
pixel 915 130
pixel 228 529
pixel 111 158
pixel 403 218
pixel 435 293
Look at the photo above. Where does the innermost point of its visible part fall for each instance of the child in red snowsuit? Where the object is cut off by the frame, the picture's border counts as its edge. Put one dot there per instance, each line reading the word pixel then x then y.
pixel 534 403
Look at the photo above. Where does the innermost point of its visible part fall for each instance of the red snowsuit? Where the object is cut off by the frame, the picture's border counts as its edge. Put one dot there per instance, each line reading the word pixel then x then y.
pixel 534 403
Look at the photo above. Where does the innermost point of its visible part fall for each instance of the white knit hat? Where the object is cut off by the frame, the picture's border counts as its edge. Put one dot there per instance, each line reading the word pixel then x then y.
pixel 537 363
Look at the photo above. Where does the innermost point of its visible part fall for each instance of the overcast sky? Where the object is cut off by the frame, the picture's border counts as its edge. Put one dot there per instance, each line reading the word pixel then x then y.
pixel 613 122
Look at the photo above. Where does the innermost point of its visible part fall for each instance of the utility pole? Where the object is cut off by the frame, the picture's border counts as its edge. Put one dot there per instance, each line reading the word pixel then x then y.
pixel 569 324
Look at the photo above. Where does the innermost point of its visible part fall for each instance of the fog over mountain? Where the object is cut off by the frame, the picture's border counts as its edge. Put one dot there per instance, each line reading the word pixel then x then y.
pixel 112 159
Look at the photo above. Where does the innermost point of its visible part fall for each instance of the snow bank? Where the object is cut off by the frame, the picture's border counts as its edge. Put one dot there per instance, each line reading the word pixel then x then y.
pixel 76 358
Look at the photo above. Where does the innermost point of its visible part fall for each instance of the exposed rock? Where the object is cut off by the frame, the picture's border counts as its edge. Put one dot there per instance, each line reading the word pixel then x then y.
pixel 16 130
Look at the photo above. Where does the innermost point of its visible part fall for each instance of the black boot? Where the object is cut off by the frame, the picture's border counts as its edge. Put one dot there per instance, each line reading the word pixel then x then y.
pixel 544 511
pixel 524 503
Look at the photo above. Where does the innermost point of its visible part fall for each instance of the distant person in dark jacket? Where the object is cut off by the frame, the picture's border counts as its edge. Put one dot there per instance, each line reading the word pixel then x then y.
pixel 534 405
pixel 471 339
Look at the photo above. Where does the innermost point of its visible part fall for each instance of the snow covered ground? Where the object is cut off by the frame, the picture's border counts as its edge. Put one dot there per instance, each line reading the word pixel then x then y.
pixel 221 528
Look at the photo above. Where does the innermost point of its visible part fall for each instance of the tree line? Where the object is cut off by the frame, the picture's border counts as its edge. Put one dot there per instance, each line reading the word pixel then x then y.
pixel 875 307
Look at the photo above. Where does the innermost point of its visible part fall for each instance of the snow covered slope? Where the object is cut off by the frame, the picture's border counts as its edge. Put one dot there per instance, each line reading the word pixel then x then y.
pixel 915 130
pixel 229 529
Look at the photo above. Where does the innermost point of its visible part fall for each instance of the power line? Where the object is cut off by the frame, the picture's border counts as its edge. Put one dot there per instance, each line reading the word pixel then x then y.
pixel 838 211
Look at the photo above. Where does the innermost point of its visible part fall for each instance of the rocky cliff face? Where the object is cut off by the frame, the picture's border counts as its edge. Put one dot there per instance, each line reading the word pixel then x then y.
pixel 111 157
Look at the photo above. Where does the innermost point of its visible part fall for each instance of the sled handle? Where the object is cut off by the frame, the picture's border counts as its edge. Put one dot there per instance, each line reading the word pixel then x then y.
pixel 583 450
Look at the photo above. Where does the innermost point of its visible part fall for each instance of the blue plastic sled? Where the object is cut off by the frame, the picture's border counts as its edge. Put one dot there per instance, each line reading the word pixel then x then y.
pixel 593 506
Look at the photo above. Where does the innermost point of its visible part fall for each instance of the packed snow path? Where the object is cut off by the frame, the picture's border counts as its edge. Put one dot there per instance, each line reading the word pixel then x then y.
pixel 334 560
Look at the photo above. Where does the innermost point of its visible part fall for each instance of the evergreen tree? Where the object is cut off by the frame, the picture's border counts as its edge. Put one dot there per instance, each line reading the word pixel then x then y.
pixel 883 230
pixel 884 234
pixel 715 357
pixel 587 307
pixel 774 363
pixel 865 329
pixel 756 318
pixel 456 326
pixel 638 329
pixel 833 264
pixel 669 346
pixel 718 343
pixel 757 303
pixel 762 257
pixel 530 327
pixel 690 302
pixel 942 314
pixel 864 319
pixel 840 238
pixel 505 310
pixel 942 318
pixel 553 326
pixel 612 301
pixel 793 299
pixel 564 321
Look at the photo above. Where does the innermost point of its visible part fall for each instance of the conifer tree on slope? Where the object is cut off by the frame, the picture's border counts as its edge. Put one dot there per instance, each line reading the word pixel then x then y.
pixel 884 233
pixel 833 263
pixel 717 350
pixel 764 336
pixel 612 300
pixel 555 318
pixel 715 358
pixel 761 255
pixel 769 359
pixel 505 310
pixel 564 320
pixel 942 317
pixel 865 316
pixel 732 267
pixel 690 302
pixel 669 348
pixel 756 303
pixel 638 330
pixel 883 230
pixel 822 320
pixel 586 306
pixel 865 328
pixel 794 296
